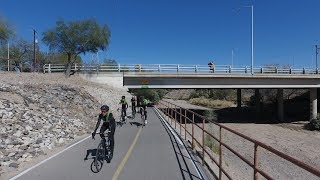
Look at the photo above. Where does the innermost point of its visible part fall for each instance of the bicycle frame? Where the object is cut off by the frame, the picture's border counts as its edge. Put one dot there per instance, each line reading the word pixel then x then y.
pixel 103 149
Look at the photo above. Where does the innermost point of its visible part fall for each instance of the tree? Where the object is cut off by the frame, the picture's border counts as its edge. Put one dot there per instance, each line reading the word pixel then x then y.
pixel 76 37
pixel 21 52
pixel 6 31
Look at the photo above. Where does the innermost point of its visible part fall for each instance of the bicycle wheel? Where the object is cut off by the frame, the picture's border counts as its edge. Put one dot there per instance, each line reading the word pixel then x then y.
pixel 96 165
pixel 133 114
pixel 99 158
pixel 108 151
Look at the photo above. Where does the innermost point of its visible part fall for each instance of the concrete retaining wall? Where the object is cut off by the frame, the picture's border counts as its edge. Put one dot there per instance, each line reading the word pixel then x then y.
pixel 111 79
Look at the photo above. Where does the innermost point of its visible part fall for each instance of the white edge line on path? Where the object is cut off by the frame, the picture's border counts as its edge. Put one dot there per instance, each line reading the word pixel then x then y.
pixel 181 143
pixel 29 169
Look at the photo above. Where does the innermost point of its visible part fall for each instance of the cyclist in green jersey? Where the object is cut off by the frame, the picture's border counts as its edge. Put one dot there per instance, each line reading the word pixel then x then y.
pixel 124 106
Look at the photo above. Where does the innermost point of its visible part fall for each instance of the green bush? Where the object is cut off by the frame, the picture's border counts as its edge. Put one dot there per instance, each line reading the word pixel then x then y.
pixel 212 144
pixel 154 95
pixel 314 124
pixel 210 114
pixel 217 94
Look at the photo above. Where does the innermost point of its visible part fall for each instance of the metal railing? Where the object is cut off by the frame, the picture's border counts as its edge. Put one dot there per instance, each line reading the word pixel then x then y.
pixel 178 68
pixel 176 113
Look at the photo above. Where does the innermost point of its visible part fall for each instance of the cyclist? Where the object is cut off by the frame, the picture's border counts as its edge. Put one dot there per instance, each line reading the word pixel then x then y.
pixel 108 123
pixel 133 104
pixel 143 108
pixel 124 106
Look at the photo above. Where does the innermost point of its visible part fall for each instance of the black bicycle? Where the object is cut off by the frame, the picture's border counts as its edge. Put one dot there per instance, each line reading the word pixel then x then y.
pixel 103 153
pixel 133 112
pixel 143 116
pixel 122 116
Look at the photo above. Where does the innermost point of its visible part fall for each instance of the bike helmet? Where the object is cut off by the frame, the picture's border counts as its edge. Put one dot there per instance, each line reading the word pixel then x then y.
pixel 105 108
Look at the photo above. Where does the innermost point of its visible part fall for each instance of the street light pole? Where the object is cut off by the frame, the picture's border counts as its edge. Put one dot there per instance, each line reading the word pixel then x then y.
pixel 252 72
pixel 252 39
pixel 232 57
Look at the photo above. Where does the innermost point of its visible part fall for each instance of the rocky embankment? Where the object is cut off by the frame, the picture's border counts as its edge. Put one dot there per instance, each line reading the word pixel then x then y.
pixel 39 113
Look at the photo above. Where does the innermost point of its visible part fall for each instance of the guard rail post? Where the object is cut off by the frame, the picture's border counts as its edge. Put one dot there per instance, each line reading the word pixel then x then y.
pixel 256 175
pixel 175 117
pixel 185 124
pixel 192 131
pixel 220 153
pixel 180 113
pixel 203 141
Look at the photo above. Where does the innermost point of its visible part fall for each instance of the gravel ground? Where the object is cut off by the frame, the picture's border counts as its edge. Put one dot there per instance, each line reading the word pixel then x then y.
pixel 103 93
pixel 290 139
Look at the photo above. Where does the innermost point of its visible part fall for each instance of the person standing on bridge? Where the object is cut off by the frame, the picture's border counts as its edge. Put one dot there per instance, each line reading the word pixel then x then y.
pixel 211 66
pixel 108 123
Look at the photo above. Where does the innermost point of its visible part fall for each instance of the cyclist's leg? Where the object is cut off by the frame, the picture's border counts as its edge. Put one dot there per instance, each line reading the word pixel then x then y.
pixel 145 112
pixel 122 115
pixel 103 128
pixel 111 138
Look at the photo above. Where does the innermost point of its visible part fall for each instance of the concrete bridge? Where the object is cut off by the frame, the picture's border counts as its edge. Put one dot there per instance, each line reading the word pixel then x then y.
pixel 178 76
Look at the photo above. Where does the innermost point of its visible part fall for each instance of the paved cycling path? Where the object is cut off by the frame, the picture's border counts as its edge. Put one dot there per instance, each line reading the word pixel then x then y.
pixel 151 152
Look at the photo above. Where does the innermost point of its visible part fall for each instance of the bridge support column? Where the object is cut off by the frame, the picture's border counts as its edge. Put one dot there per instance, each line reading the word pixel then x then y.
pixel 239 98
pixel 257 99
pixel 313 103
pixel 280 104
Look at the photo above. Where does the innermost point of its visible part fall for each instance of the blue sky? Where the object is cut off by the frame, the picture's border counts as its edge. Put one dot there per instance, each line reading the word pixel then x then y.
pixel 185 31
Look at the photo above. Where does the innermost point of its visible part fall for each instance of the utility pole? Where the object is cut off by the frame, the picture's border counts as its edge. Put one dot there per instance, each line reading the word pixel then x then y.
pixel 8 57
pixel 34 50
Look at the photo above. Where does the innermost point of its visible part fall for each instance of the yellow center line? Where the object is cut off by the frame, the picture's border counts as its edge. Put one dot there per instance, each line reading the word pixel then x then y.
pixel 116 174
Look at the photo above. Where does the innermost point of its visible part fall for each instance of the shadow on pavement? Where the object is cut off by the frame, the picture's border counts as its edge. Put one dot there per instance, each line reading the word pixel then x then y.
pixel 181 159
pixel 136 124
pixel 92 152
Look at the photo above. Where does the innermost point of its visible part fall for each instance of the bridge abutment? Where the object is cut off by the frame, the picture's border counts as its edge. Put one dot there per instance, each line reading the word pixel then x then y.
pixel 313 103
pixel 112 79
pixel 280 104
pixel 239 98
pixel 257 102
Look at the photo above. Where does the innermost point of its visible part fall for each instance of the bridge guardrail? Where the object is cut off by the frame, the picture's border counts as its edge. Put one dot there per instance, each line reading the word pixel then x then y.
pixel 178 68
pixel 176 113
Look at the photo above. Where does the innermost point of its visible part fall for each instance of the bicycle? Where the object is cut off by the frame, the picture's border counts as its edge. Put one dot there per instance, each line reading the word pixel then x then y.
pixel 133 112
pixel 122 116
pixel 143 116
pixel 103 153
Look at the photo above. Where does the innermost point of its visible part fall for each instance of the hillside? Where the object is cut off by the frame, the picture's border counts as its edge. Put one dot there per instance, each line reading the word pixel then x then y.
pixel 42 112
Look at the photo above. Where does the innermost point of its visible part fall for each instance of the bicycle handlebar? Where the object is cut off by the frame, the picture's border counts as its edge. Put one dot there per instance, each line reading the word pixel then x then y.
pixel 107 131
